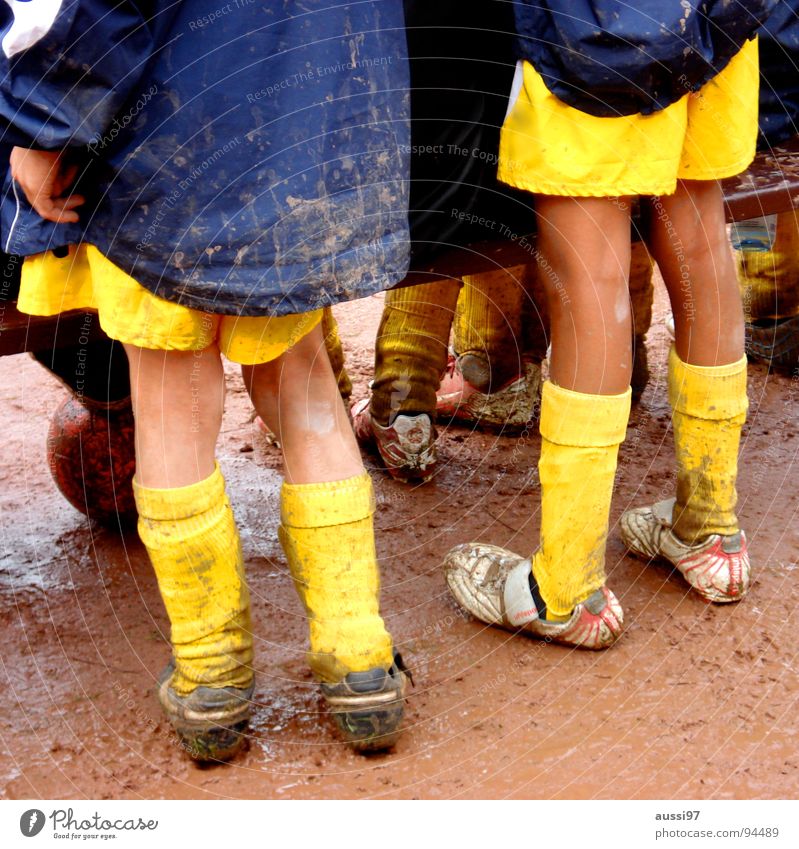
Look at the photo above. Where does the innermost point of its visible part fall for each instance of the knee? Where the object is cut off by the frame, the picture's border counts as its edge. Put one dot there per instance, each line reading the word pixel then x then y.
pixel 604 297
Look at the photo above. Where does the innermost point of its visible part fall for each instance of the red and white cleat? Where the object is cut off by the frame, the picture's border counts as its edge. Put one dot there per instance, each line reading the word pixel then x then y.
pixel 717 568
pixel 407 446
pixel 511 406
pixel 493 584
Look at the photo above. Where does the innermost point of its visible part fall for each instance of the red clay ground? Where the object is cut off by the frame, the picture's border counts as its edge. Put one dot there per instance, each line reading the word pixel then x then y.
pixel 696 701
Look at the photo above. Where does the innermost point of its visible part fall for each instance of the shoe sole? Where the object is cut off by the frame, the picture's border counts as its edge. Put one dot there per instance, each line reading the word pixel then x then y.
pixel 370 722
pixel 216 735
pixel 410 476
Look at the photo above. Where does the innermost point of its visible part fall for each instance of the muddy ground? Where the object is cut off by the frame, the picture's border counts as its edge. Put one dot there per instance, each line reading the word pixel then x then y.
pixel 696 701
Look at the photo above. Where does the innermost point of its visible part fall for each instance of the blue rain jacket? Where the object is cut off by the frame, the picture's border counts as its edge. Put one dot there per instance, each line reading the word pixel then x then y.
pixel 241 157
pixel 779 70
pixel 612 58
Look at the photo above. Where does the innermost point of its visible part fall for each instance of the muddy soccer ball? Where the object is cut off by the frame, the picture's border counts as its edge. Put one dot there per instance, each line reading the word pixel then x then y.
pixel 91 457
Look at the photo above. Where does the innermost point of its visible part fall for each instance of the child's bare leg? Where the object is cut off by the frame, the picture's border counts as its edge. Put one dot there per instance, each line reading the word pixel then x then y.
pixel 178 398
pixel 298 398
pixel 688 239
pixel 187 526
pixel 585 247
pixel 707 370
pixel 586 244
pixel 327 532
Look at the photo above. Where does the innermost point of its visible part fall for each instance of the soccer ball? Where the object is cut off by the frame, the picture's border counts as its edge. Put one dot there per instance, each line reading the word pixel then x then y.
pixel 92 459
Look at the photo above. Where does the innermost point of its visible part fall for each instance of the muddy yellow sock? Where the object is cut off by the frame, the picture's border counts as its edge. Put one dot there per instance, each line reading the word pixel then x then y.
pixel 581 435
pixel 488 325
pixel 193 543
pixel 328 535
pixel 709 406
pixel 768 279
pixel 411 349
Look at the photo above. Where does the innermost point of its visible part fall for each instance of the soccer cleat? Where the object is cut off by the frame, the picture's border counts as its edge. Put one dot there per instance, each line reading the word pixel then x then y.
pixel 717 568
pixel 494 585
pixel 211 722
pixel 511 406
pixel 368 706
pixel 407 446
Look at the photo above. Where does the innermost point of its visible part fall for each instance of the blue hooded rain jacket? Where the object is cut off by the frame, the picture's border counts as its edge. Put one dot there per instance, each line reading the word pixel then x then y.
pixel 246 157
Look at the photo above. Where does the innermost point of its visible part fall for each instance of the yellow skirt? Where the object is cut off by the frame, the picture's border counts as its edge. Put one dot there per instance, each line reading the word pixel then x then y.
pixel 129 313
pixel 550 148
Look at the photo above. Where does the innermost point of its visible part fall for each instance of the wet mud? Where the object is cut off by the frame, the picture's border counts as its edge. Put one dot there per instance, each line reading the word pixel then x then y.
pixel 696 701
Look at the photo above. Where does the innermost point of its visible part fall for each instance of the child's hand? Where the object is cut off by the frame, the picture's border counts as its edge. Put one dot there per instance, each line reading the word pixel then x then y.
pixel 45 178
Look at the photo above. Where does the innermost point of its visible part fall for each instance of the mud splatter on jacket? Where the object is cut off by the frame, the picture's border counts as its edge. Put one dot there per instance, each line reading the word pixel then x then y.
pixel 241 157
pixel 608 58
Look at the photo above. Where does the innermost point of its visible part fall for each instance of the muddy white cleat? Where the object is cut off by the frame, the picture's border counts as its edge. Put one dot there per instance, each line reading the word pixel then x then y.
pixel 493 584
pixel 511 406
pixel 717 568
pixel 407 446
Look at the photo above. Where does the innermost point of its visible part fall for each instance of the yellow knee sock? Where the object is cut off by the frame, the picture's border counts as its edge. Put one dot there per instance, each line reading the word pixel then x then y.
pixel 193 543
pixel 328 536
pixel 411 349
pixel 581 435
pixel 488 324
pixel 709 408
pixel 768 279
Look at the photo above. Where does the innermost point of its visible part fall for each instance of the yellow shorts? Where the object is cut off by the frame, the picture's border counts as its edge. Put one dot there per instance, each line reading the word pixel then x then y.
pixel 129 313
pixel 550 148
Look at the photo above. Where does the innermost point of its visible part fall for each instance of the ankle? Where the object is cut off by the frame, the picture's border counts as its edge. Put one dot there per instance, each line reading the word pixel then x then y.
pixel 541 607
